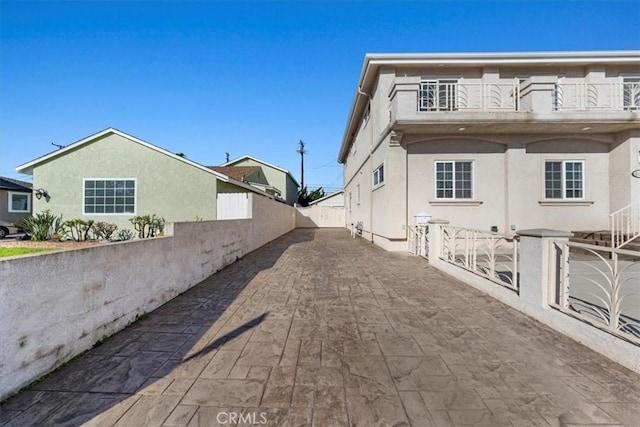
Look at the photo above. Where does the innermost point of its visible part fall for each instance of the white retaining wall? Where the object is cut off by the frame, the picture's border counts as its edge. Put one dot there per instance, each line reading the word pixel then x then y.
pixel 320 216
pixel 533 299
pixel 55 305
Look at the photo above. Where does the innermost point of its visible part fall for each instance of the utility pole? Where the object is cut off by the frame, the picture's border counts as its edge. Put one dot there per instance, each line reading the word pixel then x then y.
pixel 301 150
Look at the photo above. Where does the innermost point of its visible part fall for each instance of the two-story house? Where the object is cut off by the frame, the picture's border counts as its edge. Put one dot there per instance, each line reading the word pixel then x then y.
pixel 500 140
pixel 272 179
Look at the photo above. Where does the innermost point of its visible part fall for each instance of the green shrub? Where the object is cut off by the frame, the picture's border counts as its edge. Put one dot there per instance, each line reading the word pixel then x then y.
pixel 148 225
pixel 78 229
pixel 125 234
pixel 41 226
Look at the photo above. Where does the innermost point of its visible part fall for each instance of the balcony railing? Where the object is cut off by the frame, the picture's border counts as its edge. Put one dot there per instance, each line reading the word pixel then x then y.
pixel 456 96
pixel 597 96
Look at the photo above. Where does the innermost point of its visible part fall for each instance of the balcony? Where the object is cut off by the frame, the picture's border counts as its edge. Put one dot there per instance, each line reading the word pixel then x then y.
pixel 616 96
pixel 454 96
pixel 539 104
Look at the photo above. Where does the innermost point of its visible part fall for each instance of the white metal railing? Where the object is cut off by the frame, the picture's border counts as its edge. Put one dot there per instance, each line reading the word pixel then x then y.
pixel 599 285
pixel 490 255
pixel 456 96
pixel 625 225
pixel 419 240
pixel 615 96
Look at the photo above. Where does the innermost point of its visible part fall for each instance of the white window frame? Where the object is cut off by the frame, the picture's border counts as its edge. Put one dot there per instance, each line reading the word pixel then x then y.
pixel 376 175
pixel 435 179
pixel 563 175
pixel 135 197
pixel 10 201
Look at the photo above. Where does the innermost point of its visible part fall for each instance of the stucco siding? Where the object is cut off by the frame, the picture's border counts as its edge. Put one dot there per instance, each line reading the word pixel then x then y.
pixel 488 170
pixel 165 186
pixel 275 178
pixel 5 215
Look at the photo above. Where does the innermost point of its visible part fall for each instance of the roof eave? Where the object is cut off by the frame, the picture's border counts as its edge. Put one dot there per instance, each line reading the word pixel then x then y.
pixel 30 165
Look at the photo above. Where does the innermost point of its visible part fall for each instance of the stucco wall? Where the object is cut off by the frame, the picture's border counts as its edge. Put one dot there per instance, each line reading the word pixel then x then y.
pixel 270 219
pixel 4 207
pixel 165 186
pixel 320 217
pixel 56 305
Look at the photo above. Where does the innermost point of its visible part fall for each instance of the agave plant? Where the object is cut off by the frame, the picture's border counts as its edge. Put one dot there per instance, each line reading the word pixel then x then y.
pixel 41 226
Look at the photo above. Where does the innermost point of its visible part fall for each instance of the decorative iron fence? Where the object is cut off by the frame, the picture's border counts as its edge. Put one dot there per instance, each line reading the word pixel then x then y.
pixel 490 255
pixel 419 240
pixel 599 285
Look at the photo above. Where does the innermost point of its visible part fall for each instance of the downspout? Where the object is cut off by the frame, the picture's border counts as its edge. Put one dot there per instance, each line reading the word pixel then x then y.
pixel 360 92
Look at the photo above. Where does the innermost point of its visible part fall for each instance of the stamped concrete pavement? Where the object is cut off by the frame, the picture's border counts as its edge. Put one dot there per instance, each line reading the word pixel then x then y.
pixel 317 328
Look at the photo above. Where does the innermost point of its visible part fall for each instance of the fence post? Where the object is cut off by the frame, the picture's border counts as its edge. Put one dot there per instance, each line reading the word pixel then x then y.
pixel 435 239
pixel 537 272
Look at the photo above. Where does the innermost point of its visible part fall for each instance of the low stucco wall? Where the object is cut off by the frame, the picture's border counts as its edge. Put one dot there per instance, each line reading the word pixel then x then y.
pixel 533 298
pixel 270 220
pixel 56 305
pixel 320 216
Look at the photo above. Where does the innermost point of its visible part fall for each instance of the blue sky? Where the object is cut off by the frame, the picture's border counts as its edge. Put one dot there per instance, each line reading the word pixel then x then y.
pixel 205 78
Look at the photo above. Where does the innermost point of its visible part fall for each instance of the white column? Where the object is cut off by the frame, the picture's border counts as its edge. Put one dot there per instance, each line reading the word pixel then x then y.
pixel 435 239
pixel 537 272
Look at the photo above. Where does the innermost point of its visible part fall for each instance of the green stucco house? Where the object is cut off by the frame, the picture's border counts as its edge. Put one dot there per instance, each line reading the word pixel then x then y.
pixel 112 176
pixel 272 179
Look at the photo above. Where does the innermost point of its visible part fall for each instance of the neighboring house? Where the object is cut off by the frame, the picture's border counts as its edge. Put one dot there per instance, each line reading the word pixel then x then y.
pixel 506 140
pixel 15 199
pixel 272 179
pixel 112 176
pixel 333 200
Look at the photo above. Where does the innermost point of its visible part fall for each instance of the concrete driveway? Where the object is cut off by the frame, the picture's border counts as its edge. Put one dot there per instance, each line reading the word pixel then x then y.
pixel 317 328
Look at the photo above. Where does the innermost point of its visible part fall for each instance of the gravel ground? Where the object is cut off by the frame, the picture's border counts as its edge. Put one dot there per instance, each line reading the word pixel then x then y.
pixel 12 242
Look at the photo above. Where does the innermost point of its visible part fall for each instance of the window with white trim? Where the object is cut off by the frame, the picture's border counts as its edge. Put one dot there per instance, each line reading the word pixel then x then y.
pixel 631 93
pixel 358 194
pixel 438 95
pixel 454 180
pixel 378 175
pixel 109 196
pixel 564 179
pixel 19 202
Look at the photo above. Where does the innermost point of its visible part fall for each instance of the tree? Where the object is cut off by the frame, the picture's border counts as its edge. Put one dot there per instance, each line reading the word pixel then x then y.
pixel 304 197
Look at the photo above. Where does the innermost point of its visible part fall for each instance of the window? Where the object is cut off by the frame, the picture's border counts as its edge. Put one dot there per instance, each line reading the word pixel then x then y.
pixel 358 194
pixel 454 180
pixel 366 113
pixel 631 93
pixel 19 202
pixel 563 179
pixel 109 196
pixel 438 95
pixel 378 175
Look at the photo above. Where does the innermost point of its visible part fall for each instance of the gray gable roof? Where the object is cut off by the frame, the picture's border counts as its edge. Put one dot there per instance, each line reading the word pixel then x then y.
pixel 14 184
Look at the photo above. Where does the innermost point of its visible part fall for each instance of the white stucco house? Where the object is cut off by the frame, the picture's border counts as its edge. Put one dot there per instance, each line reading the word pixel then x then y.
pixel 492 140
